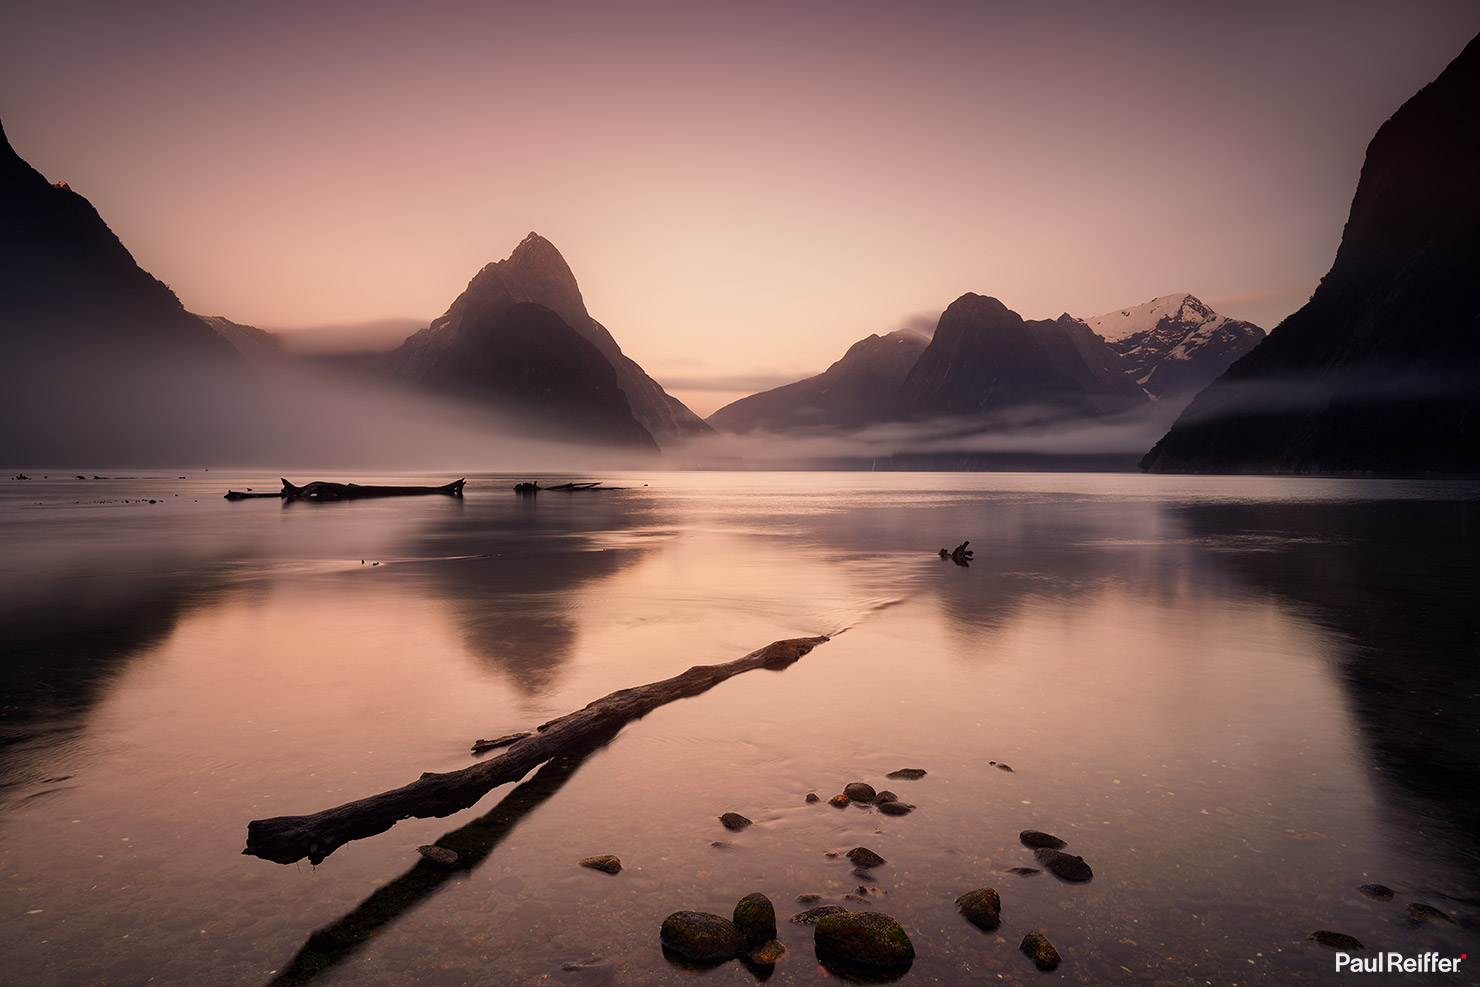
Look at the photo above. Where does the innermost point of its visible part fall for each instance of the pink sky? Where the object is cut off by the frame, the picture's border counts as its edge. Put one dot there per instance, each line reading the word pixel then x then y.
pixel 741 189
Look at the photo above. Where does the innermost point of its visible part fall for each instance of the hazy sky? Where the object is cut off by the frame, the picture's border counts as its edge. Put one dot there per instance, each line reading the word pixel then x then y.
pixel 742 189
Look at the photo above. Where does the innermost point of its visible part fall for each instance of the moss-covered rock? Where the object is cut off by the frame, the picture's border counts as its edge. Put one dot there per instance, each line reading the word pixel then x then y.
pixel 603 862
pixel 734 821
pixel 814 915
pixel 862 856
pixel 1063 865
pixel 869 938
pixel 983 907
pixel 859 791
pixel 1040 951
pixel 701 936
pixel 755 917
pixel 1035 839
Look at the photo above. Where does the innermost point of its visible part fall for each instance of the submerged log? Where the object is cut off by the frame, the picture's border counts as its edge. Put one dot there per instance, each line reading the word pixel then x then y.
pixel 287 839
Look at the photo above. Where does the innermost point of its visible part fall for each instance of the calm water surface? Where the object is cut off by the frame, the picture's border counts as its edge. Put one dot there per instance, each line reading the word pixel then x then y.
pixel 1237 698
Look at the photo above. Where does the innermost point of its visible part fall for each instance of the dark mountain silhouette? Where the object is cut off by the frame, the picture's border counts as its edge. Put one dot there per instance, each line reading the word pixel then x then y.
pixel 68 286
pixel 856 390
pixel 1174 346
pixel 535 272
pixel 1380 371
pixel 525 360
pixel 986 363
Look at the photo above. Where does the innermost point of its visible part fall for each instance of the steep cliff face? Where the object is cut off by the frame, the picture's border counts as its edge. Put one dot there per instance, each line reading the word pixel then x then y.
pixel 69 286
pixel 986 361
pixel 856 390
pixel 536 272
pixel 1380 370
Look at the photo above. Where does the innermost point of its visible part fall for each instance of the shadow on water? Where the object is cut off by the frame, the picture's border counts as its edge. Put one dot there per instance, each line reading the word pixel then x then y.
pixel 63 653
pixel 1399 580
pixel 333 944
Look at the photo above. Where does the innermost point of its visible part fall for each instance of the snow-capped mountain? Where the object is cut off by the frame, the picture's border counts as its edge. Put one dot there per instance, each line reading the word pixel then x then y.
pixel 1175 345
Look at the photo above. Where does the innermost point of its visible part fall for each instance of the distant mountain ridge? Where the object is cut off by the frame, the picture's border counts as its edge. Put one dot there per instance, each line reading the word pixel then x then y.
pixel 846 394
pixel 985 363
pixel 1175 345
pixel 1380 370
pixel 536 272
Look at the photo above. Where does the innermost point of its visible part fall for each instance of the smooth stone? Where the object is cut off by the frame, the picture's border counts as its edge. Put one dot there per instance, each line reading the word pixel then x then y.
pixel 808 897
pixel 859 791
pixel 1024 871
pixel 813 915
pixel 755 917
pixel 983 907
pixel 1377 892
pixel 841 801
pixel 734 821
pixel 896 808
pixel 1063 865
pixel 1003 767
pixel 1035 839
pixel 603 862
pixel 701 936
pixel 1335 940
pixel 438 855
pixel 813 797
pixel 863 857
pixel 909 774
pixel 1040 950
pixel 1422 912
pixel 767 953
pixel 885 796
pixel 869 938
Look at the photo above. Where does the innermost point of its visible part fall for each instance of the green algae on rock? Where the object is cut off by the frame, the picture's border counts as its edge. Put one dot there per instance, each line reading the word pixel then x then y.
pixel 869 938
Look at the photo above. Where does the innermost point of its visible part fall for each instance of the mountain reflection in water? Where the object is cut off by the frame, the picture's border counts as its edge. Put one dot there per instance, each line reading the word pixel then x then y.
pixel 1238 698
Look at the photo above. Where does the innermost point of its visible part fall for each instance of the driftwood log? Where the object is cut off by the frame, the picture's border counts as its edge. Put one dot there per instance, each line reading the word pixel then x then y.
pixel 287 839
pixel 324 490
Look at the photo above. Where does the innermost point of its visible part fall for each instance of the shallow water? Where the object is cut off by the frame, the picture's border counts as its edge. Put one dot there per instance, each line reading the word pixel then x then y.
pixel 1237 698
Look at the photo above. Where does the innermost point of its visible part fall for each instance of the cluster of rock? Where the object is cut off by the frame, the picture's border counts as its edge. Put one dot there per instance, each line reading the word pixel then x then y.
pixel 1049 851
pixel 1418 914
pixel 863 794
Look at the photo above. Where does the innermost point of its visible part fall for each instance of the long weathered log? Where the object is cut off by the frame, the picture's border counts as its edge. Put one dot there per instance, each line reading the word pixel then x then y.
pixel 286 839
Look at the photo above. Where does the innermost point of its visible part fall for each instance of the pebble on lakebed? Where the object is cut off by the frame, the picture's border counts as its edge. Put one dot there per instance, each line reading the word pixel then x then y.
pixel 862 856
pixel 755 917
pixel 734 821
pixel 1335 940
pixel 868 938
pixel 983 907
pixel 813 915
pixel 1377 892
pixel 701 936
pixel 1034 838
pixel 1421 913
pixel 859 791
pixel 603 862
pixel 438 856
pixel 1040 950
pixel 1065 866
pixel 909 774
pixel 895 808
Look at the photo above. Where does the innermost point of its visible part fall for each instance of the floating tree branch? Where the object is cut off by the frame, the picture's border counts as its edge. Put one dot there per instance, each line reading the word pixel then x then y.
pixel 287 839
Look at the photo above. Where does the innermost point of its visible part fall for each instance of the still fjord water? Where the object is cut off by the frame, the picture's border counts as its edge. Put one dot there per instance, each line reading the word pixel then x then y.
pixel 1238 699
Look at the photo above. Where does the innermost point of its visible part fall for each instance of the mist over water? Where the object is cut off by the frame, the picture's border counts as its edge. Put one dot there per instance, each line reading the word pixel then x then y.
pixel 1237 698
